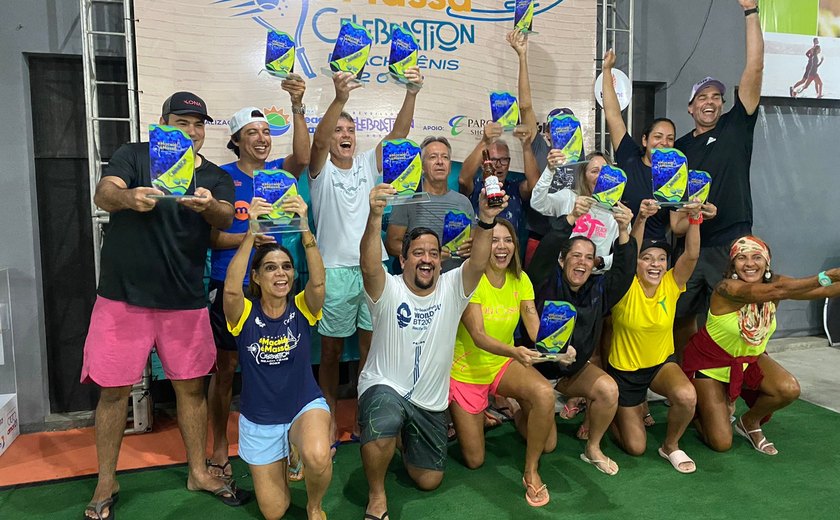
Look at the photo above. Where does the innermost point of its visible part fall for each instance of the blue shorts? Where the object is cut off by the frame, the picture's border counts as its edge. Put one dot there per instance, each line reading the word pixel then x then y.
pixel 261 444
pixel 345 308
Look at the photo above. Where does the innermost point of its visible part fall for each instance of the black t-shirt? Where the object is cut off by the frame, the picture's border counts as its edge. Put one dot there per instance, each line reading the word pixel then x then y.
pixel 726 153
pixel 156 259
pixel 640 186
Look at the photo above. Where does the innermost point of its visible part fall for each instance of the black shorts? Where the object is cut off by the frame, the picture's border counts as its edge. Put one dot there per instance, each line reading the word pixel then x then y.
pixel 223 339
pixel 709 271
pixel 633 385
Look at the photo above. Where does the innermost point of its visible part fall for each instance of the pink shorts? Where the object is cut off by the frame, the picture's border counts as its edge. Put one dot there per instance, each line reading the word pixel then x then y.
pixel 121 336
pixel 473 397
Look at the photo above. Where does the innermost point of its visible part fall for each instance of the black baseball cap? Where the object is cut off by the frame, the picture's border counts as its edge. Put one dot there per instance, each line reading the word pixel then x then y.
pixel 660 244
pixel 181 103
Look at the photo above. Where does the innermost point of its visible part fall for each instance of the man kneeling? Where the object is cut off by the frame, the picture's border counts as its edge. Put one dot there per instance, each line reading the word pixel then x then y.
pixel 403 388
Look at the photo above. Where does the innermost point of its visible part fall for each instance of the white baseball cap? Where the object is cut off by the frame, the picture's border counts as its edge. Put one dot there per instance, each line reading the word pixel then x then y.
pixel 246 116
pixel 706 82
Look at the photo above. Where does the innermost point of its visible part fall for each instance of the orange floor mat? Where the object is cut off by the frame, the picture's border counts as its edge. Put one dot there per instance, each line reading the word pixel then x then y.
pixel 38 457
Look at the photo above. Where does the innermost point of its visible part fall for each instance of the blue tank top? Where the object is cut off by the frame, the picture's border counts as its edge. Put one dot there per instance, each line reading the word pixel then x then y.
pixel 274 355
pixel 244 186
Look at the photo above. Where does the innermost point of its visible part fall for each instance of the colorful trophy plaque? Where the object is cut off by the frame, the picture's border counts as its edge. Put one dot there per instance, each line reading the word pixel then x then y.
pixel 557 323
pixel 504 109
pixel 275 186
pixel 566 135
pixel 171 161
pixel 279 54
pixel 350 54
pixel 456 231
pixel 404 52
pixel 523 16
pixel 669 169
pixel 610 186
pixel 699 184
pixel 402 169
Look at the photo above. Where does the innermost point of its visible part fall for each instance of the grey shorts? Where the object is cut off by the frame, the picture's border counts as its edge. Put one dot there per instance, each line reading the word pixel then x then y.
pixel 709 271
pixel 384 414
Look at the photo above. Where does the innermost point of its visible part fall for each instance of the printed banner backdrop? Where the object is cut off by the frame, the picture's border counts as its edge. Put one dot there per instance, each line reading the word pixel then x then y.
pixel 216 48
pixel 802 48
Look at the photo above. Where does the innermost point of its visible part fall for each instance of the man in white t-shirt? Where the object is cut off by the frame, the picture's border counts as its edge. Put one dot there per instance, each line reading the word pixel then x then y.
pixel 338 182
pixel 404 386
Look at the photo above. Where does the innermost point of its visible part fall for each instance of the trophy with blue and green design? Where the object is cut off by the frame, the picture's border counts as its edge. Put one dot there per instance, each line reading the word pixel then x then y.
pixel 669 169
pixel 456 231
pixel 402 168
pixel 609 187
pixel 504 109
pixel 699 184
pixel 403 55
pixel 566 136
pixel 523 16
pixel 350 54
pixel 171 162
pixel 557 323
pixel 279 54
pixel 275 186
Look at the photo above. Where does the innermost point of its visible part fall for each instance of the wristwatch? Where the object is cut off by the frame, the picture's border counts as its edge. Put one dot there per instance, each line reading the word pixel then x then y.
pixel 824 279
pixel 299 110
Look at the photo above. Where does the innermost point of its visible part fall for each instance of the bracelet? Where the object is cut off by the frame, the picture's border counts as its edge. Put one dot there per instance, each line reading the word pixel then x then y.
pixel 487 225
pixel 299 110
pixel 695 221
pixel 751 11
pixel 309 244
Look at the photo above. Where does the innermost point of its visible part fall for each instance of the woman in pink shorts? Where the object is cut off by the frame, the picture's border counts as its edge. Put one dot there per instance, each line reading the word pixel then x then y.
pixel 487 362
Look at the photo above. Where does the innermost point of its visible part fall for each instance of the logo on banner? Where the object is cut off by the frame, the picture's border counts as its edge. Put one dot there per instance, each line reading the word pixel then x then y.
pixel 454 125
pixel 446 35
pixel 278 121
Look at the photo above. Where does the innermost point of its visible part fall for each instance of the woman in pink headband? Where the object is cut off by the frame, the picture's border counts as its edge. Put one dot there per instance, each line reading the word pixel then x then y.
pixel 726 358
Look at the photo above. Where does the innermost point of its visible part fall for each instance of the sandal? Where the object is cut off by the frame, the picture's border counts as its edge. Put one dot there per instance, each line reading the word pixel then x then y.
pixel 648 420
pixel 572 407
pixel 582 433
pixel 223 475
pixel 295 468
pixel 761 445
pixel 97 507
pixel 229 494
pixel 541 492
pixel 676 458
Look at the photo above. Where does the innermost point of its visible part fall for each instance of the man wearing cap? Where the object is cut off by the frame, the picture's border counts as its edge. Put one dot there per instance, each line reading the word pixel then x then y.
pixel 250 140
pixel 339 180
pixel 151 293
pixel 721 144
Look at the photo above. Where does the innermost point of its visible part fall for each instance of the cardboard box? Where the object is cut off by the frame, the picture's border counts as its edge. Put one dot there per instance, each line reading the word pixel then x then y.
pixel 9 426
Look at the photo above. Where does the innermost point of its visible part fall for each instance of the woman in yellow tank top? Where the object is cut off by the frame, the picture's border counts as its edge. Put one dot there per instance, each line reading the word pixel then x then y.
pixel 642 345
pixel 726 358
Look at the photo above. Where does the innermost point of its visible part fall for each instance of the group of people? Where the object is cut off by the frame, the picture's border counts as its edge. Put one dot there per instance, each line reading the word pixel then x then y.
pixel 455 328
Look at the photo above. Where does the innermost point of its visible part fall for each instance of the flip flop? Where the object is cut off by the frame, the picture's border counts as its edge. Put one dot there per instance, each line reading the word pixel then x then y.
pixel 582 433
pixel 759 446
pixel 334 449
pixel 676 458
pixel 295 471
pixel 609 463
pixel 221 467
pixel 384 516
pixel 648 420
pixel 535 502
pixel 97 507
pixel 236 497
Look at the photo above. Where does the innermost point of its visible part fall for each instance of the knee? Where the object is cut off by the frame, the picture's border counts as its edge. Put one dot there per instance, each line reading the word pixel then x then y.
pixel 331 353
pixel 316 456
pixel 429 481
pixel 473 460
pixel 276 509
pixel 684 396
pixel 719 443
pixel 606 391
pixel 543 396
pixel 789 390
pixel 114 395
pixel 635 448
